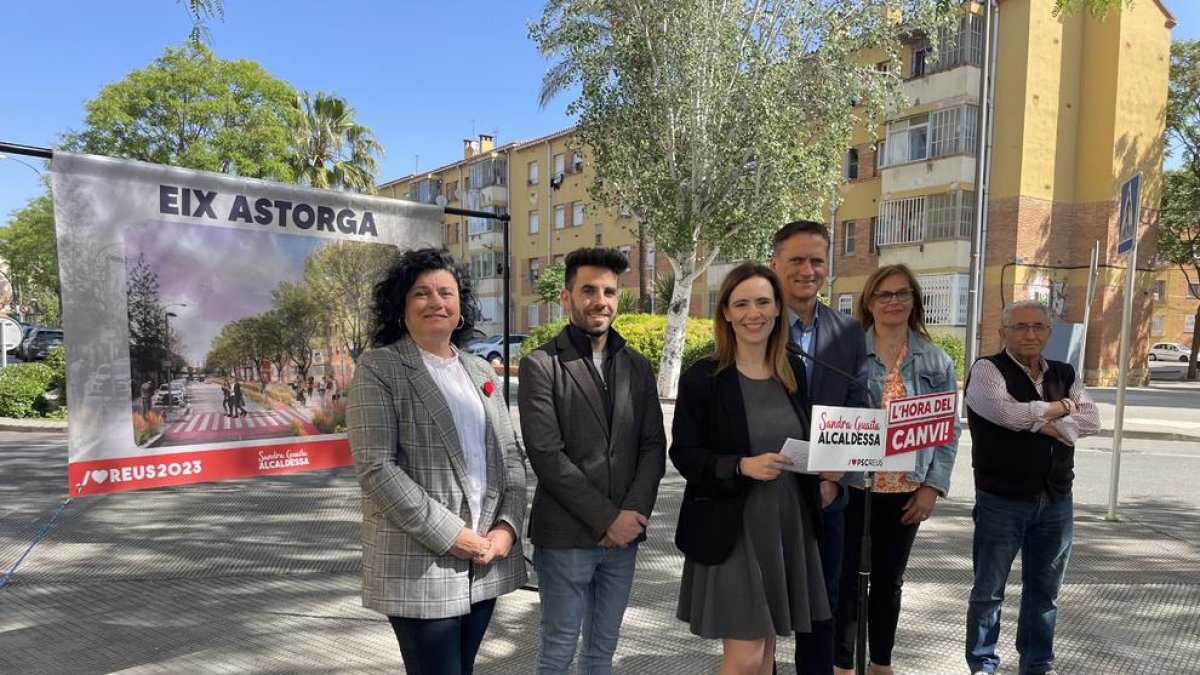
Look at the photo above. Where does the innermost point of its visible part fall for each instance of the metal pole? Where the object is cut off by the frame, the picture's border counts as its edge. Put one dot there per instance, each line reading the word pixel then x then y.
pixel 864 577
pixel 975 272
pixel 1087 307
pixel 1119 424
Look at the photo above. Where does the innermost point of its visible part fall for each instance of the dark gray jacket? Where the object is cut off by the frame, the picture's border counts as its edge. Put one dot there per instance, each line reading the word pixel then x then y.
pixel 588 468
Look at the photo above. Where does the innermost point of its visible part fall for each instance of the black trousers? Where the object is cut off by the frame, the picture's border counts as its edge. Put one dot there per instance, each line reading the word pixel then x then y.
pixel 442 646
pixel 891 544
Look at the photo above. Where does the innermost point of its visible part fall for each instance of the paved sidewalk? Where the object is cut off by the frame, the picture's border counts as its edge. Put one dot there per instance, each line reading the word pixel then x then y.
pixel 262 576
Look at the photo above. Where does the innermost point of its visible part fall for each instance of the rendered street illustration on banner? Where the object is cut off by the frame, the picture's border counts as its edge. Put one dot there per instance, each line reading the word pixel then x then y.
pixel 212 323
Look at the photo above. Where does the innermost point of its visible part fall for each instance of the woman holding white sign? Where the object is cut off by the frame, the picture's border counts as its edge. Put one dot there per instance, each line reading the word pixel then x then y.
pixel 748 526
pixel 902 361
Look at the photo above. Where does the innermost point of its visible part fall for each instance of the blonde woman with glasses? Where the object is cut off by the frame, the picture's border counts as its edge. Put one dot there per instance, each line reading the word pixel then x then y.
pixel 901 361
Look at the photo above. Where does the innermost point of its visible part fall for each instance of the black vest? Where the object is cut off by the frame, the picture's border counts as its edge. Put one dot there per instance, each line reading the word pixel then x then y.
pixel 1021 464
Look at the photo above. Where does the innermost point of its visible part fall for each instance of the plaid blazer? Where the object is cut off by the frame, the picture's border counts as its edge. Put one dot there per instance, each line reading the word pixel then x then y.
pixel 413 476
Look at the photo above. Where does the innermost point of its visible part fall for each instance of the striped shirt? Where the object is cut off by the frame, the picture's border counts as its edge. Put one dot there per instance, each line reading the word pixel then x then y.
pixel 988 396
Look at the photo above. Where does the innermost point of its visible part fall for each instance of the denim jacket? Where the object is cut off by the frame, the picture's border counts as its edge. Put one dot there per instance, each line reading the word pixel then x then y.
pixel 925 370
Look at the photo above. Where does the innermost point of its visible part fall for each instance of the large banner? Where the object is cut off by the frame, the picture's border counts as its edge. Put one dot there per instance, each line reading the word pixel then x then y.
pixel 212 323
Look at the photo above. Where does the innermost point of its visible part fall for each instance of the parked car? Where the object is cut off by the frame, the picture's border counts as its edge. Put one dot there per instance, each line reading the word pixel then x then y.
pixel 492 348
pixel 39 343
pixel 1169 351
pixel 173 394
pixel 26 329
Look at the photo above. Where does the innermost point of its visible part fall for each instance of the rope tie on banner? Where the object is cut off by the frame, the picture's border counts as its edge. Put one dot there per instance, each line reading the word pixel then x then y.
pixel 43 532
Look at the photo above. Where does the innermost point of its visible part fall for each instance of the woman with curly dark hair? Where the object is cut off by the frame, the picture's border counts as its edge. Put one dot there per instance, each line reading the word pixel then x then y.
pixel 442 476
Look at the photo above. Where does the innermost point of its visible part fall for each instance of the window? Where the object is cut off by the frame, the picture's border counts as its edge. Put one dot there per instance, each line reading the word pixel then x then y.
pixel 560 167
pixel 948 215
pixel 1194 290
pixel 426 191
pixel 560 217
pixel 874 234
pixel 535 269
pixel 483 225
pixel 489 309
pixel 846 303
pixel 485 264
pixel 1160 289
pixel 920 52
pixel 1189 323
pixel 883 67
pixel 599 234
pixel 1156 325
pixel 534 222
pixel 533 173
pixel 908 140
pixel 576 162
pixel 945 297
pixel 576 214
pixel 848 234
pixel 489 172
pixel 880 147
pixel 852 164
pixel 532 316
pixel 712 302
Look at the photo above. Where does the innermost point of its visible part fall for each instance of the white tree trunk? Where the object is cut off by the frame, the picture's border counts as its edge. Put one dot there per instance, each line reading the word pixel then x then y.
pixel 677 314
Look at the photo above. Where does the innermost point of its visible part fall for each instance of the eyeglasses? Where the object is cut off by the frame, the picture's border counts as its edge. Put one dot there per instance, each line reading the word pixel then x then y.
pixel 903 295
pixel 1037 328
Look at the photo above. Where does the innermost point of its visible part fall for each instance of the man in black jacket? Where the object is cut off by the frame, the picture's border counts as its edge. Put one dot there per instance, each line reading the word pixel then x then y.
pixel 1025 414
pixel 593 430
pixel 801 259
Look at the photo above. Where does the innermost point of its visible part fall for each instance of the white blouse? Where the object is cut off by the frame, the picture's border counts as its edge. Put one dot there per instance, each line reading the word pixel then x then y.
pixel 466 407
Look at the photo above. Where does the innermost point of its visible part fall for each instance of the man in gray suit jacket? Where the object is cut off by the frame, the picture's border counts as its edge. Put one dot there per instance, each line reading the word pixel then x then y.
pixel 802 249
pixel 593 432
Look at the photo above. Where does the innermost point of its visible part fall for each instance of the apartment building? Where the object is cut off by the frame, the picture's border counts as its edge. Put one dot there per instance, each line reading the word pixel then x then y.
pixel 1174 298
pixel 542 184
pixel 1079 109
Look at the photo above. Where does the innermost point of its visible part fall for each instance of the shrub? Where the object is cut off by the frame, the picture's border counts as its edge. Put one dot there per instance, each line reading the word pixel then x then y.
pixel 642 332
pixel 694 352
pixel 298 428
pixel 57 360
pixel 955 348
pixel 21 385
pixel 330 419
pixel 147 427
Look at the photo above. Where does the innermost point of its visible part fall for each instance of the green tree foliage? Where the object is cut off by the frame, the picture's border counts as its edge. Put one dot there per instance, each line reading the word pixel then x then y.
pixel 341 278
pixel 192 109
pixel 200 12
pixel 29 246
pixel 1179 218
pixel 332 149
pixel 551 284
pixel 716 121
pixel 299 317
pixel 1179 238
pixel 147 322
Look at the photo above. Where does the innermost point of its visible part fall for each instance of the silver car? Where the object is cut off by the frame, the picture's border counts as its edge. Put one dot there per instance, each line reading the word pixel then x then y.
pixel 492 348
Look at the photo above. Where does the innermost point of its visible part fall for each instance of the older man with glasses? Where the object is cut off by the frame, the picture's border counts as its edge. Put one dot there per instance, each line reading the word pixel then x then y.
pixel 1025 415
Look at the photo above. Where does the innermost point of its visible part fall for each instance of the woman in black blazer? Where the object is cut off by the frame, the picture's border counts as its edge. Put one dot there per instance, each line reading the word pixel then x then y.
pixel 748 526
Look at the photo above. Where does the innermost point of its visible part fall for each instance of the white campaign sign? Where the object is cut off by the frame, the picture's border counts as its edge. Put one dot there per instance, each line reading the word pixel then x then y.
pixel 852 439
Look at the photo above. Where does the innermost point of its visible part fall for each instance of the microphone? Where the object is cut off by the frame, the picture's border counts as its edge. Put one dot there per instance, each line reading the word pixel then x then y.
pixel 846 375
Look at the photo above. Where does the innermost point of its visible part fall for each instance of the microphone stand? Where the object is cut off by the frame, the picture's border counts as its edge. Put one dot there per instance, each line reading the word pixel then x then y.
pixel 864 550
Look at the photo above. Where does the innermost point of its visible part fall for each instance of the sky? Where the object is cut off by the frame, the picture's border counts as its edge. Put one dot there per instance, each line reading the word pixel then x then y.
pixel 206 283
pixel 422 75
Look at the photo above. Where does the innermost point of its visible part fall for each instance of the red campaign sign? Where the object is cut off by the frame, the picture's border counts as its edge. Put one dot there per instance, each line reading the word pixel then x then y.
pixel 199 466
pixel 920 422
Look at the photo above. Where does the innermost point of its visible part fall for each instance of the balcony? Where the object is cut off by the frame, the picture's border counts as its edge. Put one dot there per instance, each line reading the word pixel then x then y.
pixel 926 173
pixel 960 83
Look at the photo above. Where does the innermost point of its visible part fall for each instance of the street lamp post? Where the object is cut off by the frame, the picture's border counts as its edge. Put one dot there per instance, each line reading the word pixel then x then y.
pixel 22 162
pixel 170 402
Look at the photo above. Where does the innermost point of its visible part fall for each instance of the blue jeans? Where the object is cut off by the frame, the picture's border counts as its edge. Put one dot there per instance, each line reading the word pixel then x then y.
pixel 582 590
pixel 1041 529
pixel 442 646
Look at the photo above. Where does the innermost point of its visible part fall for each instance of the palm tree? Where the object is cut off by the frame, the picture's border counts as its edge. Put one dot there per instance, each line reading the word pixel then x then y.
pixel 333 150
